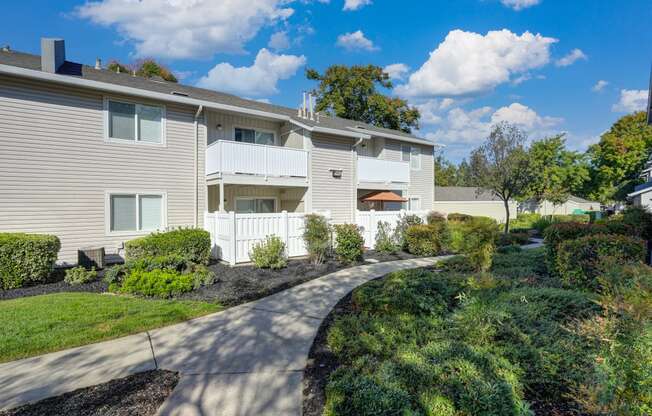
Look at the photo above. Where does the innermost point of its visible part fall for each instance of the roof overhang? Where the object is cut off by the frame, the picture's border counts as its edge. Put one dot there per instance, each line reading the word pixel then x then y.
pixel 375 133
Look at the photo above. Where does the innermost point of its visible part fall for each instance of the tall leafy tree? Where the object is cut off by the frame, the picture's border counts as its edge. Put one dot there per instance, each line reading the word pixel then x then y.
pixel 555 172
pixel 501 165
pixel 464 174
pixel 146 68
pixel 445 172
pixel 352 93
pixel 618 157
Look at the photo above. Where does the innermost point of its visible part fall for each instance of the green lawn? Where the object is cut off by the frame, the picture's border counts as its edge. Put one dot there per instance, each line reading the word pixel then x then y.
pixel 39 324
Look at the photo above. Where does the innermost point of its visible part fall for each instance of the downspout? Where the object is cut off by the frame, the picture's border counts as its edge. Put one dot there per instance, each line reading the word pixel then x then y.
pixel 354 169
pixel 196 168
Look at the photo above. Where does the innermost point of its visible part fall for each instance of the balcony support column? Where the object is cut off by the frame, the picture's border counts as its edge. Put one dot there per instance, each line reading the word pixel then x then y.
pixel 221 205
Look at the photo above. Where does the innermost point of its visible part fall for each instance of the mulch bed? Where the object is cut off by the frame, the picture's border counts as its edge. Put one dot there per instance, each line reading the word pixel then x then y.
pixel 140 394
pixel 241 284
pixel 233 285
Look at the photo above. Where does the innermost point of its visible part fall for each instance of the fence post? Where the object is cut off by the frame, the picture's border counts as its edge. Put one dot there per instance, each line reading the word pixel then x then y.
pixel 233 242
pixel 285 233
pixel 372 229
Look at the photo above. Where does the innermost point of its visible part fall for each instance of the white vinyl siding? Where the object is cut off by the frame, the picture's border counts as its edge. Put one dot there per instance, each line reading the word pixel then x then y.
pixel 134 122
pixel 221 126
pixel 55 166
pixel 411 154
pixel 336 195
pixel 421 180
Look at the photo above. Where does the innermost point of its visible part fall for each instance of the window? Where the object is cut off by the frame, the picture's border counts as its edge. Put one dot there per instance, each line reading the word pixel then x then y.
pixel 135 212
pixel 254 136
pixel 414 204
pixel 411 154
pixel 135 122
pixel 255 205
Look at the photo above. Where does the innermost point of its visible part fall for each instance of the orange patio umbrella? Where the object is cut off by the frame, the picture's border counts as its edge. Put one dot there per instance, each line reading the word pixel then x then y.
pixel 381 197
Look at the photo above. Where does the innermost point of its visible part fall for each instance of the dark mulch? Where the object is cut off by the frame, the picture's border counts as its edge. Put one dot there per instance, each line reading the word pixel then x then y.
pixel 240 284
pixel 136 395
pixel 97 286
pixel 233 285
pixel 321 363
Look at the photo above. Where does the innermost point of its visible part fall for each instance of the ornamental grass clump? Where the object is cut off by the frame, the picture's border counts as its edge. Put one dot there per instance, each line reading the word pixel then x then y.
pixel 269 254
pixel 385 238
pixel 317 238
pixel 79 275
pixel 349 243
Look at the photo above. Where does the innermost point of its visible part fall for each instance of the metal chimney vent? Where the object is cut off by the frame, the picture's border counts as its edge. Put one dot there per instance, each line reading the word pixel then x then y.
pixel 53 54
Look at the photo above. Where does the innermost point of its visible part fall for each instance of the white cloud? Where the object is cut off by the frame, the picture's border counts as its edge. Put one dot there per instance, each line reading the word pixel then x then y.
pixel 279 41
pixel 355 4
pixel 254 81
pixel 397 71
pixel 520 4
pixel 599 86
pixel 631 101
pixel 186 29
pixel 468 63
pixel 470 128
pixel 355 41
pixel 432 110
pixel 572 57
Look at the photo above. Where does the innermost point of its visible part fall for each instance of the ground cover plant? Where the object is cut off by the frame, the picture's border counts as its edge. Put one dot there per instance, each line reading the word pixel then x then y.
pixel 511 341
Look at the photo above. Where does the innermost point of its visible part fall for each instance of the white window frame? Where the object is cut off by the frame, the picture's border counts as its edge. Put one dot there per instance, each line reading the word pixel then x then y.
pixel 255 129
pixel 249 198
pixel 137 194
pixel 411 159
pixel 410 198
pixel 136 141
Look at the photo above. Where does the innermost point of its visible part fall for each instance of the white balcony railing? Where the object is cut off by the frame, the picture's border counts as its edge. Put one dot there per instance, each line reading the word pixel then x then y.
pixel 382 171
pixel 226 156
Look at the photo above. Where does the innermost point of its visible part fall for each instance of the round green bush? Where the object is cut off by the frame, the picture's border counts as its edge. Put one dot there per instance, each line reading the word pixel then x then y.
pixel 424 240
pixel 156 283
pixel 269 254
pixel 26 258
pixel 580 261
pixel 317 237
pixel 349 243
pixel 79 275
pixel 459 217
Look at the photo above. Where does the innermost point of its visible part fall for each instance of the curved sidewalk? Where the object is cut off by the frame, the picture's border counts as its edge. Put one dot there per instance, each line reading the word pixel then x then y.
pixel 246 360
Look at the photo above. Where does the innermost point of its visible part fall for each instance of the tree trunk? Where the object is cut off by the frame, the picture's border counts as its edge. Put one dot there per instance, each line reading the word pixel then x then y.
pixel 506 202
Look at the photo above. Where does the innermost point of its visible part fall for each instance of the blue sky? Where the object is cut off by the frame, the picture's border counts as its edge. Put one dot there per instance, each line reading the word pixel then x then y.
pixel 547 65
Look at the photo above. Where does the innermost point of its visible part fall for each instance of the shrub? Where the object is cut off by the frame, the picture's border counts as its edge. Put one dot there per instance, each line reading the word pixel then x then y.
pixel 385 242
pixel 202 276
pixel 317 237
pixel 349 244
pixel 424 240
pixel 479 241
pixel 579 262
pixel 400 231
pixel 524 221
pixel 456 232
pixel 173 262
pixel 542 224
pixel 459 217
pixel 269 254
pixel 456 264
pixel 513 238
pixel 640 221
pixel 434 217
pixel 79 275
pixel 115 274
pixel 157 283
pixel 26 258
pixel 509 249
pixel 190 243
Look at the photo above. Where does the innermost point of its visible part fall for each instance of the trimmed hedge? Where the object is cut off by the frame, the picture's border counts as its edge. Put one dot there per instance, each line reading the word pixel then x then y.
pixel 455 216
pixel 580 261
pixel 26 258
pixel 479 241
pixel 426 240
pixel 190 243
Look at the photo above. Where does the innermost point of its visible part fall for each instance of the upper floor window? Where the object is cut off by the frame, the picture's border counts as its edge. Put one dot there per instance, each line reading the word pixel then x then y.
pixel 254 136
pixel 411 154
pixel 135 122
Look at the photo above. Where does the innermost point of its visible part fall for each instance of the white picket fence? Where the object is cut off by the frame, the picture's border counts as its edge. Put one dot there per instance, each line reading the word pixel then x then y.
pixel 368 222
pixel 234 235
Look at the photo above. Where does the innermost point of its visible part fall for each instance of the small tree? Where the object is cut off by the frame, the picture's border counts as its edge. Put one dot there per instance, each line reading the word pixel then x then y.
pixel 317 236
pixel 501 165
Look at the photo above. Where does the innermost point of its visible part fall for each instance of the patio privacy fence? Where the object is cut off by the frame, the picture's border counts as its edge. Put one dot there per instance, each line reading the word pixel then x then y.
pixel 233 235
pixel 368 222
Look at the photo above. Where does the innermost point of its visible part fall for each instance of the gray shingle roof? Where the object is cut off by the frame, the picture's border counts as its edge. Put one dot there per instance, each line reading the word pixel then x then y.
pixel 463 193
pixel 582 200
pixel 29 61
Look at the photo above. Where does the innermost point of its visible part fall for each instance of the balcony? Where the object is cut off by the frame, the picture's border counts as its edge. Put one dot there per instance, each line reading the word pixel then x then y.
pixel 377 173
pixel 227 157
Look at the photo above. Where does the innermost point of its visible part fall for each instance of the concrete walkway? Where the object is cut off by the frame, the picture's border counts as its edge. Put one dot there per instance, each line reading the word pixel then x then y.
pixel 246 360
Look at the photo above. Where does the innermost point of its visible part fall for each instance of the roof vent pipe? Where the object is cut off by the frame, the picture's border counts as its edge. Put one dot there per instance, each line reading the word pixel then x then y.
pixel 53 54
pixel 303 109
pixel 312 114
pixel 98 63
